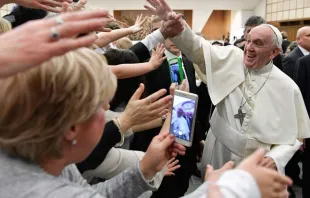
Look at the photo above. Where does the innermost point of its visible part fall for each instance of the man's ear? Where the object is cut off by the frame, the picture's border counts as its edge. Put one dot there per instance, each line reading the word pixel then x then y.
pixel 275 52
pixel 71 134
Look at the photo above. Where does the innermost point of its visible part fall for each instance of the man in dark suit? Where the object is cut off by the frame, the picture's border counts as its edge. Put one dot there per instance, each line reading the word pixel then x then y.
pixel 177 185
pixel 285 42
pixel 303 48
pixel 302 78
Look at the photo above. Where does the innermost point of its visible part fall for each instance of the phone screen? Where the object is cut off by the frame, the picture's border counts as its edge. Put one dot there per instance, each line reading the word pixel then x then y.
pixel 175 73
pixel 183 112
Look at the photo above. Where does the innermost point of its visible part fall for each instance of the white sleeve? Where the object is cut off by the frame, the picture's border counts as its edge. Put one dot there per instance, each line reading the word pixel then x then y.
pixel 233 184
pixel 281 154
pixel 118 160
pixel 151 40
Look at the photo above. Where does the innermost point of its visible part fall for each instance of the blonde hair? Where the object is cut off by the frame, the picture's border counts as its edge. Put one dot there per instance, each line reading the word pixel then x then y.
pixel 5 26
pixel 124 43
pixel 38 106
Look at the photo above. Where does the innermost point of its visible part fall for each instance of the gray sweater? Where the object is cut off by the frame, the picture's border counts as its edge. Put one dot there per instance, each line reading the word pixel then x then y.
pixel 21 179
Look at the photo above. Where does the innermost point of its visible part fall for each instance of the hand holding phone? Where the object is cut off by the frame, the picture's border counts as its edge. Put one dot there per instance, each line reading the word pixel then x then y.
pixel 183 117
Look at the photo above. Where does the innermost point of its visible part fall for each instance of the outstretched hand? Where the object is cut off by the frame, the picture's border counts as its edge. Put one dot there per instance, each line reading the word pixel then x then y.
pixel 162 9
pixel 34 42
pixel 137 27
pixel 157 57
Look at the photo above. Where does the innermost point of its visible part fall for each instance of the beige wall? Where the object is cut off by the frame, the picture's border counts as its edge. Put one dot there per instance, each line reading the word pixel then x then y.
pixel 280 10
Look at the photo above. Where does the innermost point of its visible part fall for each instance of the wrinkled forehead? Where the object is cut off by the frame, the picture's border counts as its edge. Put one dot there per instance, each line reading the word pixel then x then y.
pixel 261 32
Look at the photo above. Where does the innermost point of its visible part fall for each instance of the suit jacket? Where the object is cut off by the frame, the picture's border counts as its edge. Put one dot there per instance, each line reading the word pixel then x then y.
pixel 290 60
pixel 302 78
pixel 285 44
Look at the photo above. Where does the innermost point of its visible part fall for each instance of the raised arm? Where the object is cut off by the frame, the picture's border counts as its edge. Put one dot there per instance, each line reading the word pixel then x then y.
pixel 132 70
pixel 104 38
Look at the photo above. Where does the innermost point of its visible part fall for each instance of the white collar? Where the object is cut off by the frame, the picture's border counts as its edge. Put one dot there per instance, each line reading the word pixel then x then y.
pixel 304 51
pixel 169 55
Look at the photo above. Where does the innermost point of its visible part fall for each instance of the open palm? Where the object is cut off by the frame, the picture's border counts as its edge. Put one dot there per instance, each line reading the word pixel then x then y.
pixel 161 9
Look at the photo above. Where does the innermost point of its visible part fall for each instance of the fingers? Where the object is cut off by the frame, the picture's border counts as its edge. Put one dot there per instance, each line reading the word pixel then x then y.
pixel 229 165
pixel 282 179
pixel 183 86
pixel 137 95
pixel 74 28
pixel 150 99
pixel 161 104
pixel 278 187
pixel 65 45
pixel 79 16
pixel 171 160
pixel 153 10
pixel 172 88
pixel 143 21
pixel 48 8
pixel 53 3
pixel 174 168
pixel 264 162
pixel 167 142
pixel 169 174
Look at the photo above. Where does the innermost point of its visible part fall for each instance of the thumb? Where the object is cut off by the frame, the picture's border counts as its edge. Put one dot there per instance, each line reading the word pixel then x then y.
pixel 137 95
pixel 210 169
pixel 167 142
pixel 229 165
pixel 255 158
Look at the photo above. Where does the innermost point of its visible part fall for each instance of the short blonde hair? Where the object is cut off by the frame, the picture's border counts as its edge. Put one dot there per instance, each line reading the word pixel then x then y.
pixel 38 106
pixel 5 26
pixel 124 43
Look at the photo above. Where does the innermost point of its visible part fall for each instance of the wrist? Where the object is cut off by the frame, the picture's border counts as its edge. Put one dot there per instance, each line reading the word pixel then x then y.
pixel 163 32
pixel 124 122
pixel 146 171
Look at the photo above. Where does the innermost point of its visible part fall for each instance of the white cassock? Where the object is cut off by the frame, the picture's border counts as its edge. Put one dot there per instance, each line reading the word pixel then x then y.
pixel 274 119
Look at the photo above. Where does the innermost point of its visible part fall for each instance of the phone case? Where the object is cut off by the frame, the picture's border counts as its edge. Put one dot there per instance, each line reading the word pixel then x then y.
pixel 181 72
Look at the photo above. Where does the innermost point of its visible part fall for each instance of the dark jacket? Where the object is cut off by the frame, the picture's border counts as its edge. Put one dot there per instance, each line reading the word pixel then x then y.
pixel 285 44
pixel 290 60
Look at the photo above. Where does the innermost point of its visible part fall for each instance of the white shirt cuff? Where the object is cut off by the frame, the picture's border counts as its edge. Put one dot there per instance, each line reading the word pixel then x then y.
pixel 153 39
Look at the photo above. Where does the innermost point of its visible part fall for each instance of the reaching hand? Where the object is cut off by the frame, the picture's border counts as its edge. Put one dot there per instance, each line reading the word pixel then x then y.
pixel 38 41
pixel 268 162
pixel 161 9
pixel 137 27
pixel 48 5
pixel 140 111
pixel 172 166
pixel 270 182
pixel 157 56
pixel 214 175
pixel 161 149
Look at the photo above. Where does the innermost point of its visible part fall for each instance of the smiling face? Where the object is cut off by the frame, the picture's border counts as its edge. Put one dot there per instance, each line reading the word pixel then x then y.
pixel 259 48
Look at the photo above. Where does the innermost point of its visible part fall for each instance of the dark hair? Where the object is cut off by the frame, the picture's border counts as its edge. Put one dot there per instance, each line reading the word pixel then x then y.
pixel 21 15
pixel 292 45
pixel 125 87
pixel 254 21
pixel 217 43
pixel 239 41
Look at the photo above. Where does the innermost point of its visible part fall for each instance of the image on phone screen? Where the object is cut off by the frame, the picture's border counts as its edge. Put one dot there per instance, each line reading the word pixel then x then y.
pixel 175 73
pixel 182 117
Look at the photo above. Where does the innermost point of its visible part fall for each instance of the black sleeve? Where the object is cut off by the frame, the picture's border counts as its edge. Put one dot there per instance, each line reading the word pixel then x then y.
pixel 300 77
pixel 141 51
pixel 288 66
pixel 110 137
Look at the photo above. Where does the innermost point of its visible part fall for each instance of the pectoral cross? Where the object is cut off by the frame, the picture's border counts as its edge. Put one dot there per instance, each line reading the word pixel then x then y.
pixel 240 115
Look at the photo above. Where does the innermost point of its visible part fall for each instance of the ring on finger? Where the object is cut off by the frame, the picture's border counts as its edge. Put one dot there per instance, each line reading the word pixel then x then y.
pixel 54 33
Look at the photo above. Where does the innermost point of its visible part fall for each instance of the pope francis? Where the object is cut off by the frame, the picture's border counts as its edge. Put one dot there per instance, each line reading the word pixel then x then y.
pixel 257 105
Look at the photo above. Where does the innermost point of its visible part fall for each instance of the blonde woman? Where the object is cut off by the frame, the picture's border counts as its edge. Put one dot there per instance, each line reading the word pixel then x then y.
pixel 62 105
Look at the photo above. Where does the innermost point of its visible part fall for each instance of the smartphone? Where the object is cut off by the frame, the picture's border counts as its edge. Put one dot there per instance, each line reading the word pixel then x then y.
pixel 183 117
pixel 176 70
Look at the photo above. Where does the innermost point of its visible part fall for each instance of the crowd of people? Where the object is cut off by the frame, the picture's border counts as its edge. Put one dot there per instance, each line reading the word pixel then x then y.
pixel 85 112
